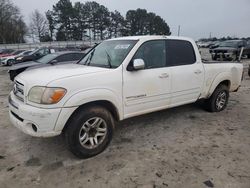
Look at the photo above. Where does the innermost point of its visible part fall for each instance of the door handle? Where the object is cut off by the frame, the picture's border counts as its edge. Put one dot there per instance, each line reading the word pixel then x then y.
pixel 198 72
pixel 164 75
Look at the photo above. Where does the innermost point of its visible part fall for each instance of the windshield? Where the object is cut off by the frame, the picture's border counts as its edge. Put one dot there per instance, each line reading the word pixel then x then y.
pixel 17 52
pixel 27 52
pixel 47 58
pixel 34 51
pixel 233 44
pixel 109 53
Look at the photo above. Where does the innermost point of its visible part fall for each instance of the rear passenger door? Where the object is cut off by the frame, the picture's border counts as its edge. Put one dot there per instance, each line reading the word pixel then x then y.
pixel 187 73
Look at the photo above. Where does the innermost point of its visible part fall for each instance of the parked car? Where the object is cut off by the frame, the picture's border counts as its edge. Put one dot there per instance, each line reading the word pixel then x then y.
pixel 6 52
pixel 247 49
pixel 84 47
pixel 205 44
pixel 72 48
pixel 230 50
pixel 249 70
pixel 10 60
pixel 36 54
pixel 118 79
pixel 213 46
pixel 50 59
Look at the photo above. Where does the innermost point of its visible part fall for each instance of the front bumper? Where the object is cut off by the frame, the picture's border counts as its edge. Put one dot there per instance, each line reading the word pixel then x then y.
pixel 31 120
pixel 3 63
pixel 221 55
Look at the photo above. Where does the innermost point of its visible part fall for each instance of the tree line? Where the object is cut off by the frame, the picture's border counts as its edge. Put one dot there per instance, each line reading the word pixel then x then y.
pixel 81 21
pixel 223 39
pixel 68 21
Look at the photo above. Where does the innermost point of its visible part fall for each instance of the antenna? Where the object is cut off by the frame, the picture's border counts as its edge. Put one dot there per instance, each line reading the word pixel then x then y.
pixel 179 30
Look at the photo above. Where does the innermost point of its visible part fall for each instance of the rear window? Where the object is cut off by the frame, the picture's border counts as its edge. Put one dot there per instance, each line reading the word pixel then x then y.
pixel 180 52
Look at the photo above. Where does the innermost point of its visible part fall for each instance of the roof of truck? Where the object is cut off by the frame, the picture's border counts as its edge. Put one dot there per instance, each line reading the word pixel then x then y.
pixel 151 37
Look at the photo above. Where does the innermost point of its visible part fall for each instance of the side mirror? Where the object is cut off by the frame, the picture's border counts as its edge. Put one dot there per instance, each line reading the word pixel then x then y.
pixel 138 64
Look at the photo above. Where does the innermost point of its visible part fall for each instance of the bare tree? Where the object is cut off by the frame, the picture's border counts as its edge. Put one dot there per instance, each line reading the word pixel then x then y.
pixel 12 26
pixel 38 25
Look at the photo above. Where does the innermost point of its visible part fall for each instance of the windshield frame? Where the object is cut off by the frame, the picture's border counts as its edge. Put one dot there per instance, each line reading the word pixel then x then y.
pixel 109 64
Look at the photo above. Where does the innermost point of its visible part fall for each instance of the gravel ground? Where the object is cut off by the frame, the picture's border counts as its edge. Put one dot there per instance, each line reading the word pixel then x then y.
pixel 180 147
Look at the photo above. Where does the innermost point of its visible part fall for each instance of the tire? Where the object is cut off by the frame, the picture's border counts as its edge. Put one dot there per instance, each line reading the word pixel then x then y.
pixel 221 94
pixel 82 126
pixel 10 62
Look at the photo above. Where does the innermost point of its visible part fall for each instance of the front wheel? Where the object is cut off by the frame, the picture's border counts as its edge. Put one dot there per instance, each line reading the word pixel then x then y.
pixel 219 99
pixel 89 131
pixel 10 62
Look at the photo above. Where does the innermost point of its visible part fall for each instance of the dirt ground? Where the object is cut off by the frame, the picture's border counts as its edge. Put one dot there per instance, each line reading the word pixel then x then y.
pixel 184 147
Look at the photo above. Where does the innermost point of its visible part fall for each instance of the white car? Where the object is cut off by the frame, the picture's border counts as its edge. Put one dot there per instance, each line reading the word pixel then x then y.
pixel 9 60
pixel 118 79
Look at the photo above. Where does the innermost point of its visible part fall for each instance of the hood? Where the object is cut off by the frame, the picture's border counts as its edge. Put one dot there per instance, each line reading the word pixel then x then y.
pixel 8 57
pixel 24 65
pixel 4 55
pixel 225 48
pixel 45 75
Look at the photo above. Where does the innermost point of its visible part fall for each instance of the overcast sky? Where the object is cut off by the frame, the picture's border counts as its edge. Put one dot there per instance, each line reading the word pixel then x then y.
pixel 197 18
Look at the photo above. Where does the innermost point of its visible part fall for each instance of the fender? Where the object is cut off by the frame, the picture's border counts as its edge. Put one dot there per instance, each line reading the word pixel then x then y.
pixel 95 94
pixel 217 80
pixel 84 97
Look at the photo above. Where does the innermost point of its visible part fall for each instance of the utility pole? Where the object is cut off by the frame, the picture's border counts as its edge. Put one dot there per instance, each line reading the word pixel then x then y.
pixel 179 30
pixel 210 35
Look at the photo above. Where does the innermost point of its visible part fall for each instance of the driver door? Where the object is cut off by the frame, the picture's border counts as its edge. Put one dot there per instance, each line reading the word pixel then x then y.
pixel 147 90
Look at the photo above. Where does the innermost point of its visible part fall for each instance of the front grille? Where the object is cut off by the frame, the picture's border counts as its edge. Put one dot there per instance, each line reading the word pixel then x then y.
pixel 19 90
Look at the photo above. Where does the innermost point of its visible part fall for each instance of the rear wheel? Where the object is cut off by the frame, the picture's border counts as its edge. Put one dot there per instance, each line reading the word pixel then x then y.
pixel 219 99
pixel 89 131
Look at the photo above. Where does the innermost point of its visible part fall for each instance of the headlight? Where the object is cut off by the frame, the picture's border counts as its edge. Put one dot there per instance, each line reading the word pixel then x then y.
pixel 19 58
pixel 46 95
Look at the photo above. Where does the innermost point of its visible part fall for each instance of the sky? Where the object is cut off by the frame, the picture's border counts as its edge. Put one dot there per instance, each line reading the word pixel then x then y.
pixel 197 18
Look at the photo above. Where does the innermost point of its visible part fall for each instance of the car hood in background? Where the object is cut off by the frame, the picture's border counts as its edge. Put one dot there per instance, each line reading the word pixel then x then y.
pixel 24 65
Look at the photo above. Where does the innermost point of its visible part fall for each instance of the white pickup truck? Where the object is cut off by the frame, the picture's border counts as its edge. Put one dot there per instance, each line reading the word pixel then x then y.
pixel 118 79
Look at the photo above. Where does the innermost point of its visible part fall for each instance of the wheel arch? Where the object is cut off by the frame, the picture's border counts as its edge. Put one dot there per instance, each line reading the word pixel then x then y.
pixel 103 103
pixel 224 79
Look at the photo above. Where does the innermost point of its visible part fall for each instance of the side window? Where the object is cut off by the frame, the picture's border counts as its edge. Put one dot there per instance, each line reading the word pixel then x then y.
pixel 67 57
pixel 77 56
pixel 63 58
pixel 40 52
pixel 180 52
pixel 153 53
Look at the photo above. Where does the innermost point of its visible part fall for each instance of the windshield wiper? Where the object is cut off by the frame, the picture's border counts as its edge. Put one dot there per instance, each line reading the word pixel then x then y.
pixel 88 61
pixel 109 59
